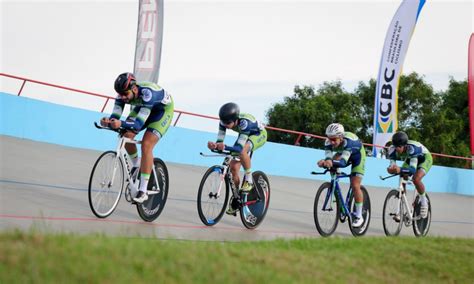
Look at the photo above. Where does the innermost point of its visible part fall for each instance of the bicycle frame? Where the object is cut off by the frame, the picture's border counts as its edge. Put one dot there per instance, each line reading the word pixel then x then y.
pixel 123 155
pixel 402 197
pixel 335 188
pixel 226 173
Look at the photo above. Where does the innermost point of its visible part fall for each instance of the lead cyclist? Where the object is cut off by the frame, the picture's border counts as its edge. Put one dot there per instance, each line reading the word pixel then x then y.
pixel 153 109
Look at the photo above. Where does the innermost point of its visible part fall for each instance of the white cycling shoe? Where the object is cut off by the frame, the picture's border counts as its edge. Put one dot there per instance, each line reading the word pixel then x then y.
pixel 357 221
pixel 141 197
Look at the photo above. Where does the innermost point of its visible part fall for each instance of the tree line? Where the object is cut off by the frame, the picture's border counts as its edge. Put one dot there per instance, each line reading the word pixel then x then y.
pixel 437 119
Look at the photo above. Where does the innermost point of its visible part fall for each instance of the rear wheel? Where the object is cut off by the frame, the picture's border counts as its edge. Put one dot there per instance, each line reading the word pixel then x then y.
pixel 213 195
pixel 421 226
pixel 106 184
pixel 256 201
pixel 366 214
pixel 157 193
pixel 392 217
pixel 326 210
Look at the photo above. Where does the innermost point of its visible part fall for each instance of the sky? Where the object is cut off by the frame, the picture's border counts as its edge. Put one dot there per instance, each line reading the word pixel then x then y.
pixel 249 52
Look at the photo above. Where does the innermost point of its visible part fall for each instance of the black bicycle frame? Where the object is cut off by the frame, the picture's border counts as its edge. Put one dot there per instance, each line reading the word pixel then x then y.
pixel 235 193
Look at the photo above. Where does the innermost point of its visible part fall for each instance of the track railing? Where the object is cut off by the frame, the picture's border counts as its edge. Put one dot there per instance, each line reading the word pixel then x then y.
pixel 181 112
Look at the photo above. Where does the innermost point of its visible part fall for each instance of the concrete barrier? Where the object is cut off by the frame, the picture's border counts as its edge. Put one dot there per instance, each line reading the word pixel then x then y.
pixel 41 121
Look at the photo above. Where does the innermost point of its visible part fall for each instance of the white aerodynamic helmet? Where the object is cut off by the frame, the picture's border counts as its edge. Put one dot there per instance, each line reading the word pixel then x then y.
pixel 334 130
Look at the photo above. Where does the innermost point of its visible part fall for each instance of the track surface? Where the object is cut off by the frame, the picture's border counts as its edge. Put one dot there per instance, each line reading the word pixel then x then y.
pixel 44 187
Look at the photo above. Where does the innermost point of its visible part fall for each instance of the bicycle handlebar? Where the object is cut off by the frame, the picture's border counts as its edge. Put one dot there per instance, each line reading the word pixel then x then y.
pixel 119 130
pixel 320 173
pixel 406 177
pixel 220 154
pixel 387 177
pixel 332 170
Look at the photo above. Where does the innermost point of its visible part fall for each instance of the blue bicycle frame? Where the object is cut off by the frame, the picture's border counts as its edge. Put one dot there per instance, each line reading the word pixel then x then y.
pixel 337 190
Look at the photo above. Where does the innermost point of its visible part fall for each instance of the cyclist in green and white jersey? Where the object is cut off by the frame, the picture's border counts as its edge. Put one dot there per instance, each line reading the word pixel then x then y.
pixel 252 135
pixel 343 149
pixel 152 110
pixel 417 162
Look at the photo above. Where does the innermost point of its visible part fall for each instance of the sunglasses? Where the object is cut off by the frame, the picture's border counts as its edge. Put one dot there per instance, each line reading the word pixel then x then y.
pixel 227 122
pixel 126 93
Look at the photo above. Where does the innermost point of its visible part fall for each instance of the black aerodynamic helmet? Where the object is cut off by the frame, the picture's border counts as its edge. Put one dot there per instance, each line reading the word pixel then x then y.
pixel 124 82
pixel 399 139
pixel 229 113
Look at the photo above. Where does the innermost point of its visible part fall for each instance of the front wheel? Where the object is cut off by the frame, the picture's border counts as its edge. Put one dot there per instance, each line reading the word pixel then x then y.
pixel 106 184
pixel 393 214
pixel 157 192
pixel 213 195
pixel 326 210
pixel 366 214
pixel 421 226
pixel 255 203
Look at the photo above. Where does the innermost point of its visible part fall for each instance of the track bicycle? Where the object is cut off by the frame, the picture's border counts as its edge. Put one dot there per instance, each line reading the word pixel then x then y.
pixel 113 171
pixel 330 206
pixel 398 211
pixel 217 184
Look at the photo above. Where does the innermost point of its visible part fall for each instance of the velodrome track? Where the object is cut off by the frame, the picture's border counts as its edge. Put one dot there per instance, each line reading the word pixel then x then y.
pixel 43 187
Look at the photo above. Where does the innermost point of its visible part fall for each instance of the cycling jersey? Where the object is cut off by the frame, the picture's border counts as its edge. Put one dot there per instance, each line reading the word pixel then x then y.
pixel 352 153
pixel 416 156
pixel 249 129
pixel 152 108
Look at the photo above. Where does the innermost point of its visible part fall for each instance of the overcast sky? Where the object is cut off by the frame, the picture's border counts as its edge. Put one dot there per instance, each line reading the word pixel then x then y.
pixel 250 52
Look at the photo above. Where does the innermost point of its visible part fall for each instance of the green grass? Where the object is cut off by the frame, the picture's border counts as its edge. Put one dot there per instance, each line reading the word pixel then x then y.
pixel 39 258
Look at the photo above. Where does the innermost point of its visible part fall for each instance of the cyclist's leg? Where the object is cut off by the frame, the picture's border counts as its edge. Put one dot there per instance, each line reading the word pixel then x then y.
pixel 247 165
pixel 234 169
pixel 253 143
pixel 132 148
pixel 157 125
pixel 421 171
pixel 357 173
pixel 417 177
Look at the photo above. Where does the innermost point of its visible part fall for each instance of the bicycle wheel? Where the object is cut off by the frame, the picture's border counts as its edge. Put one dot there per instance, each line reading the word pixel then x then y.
pixel 421 226
pixel 392 217
pixel 256 201
pixel 157 193
pixel 213 195
pixel 366 214
pixel 106 184
pixel 326 210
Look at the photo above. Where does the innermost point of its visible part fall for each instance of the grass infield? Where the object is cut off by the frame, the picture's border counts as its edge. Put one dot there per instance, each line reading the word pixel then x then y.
pixel 66 258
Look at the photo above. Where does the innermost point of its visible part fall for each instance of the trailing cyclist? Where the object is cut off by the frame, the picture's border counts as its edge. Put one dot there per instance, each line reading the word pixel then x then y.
pixel 152 110
pixel 417 162
pixel 343 149
pixel 252 135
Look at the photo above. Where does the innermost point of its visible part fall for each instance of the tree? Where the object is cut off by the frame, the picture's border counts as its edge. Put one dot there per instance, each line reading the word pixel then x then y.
pixel 446 128
pixel 439 120
pixel 311 111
